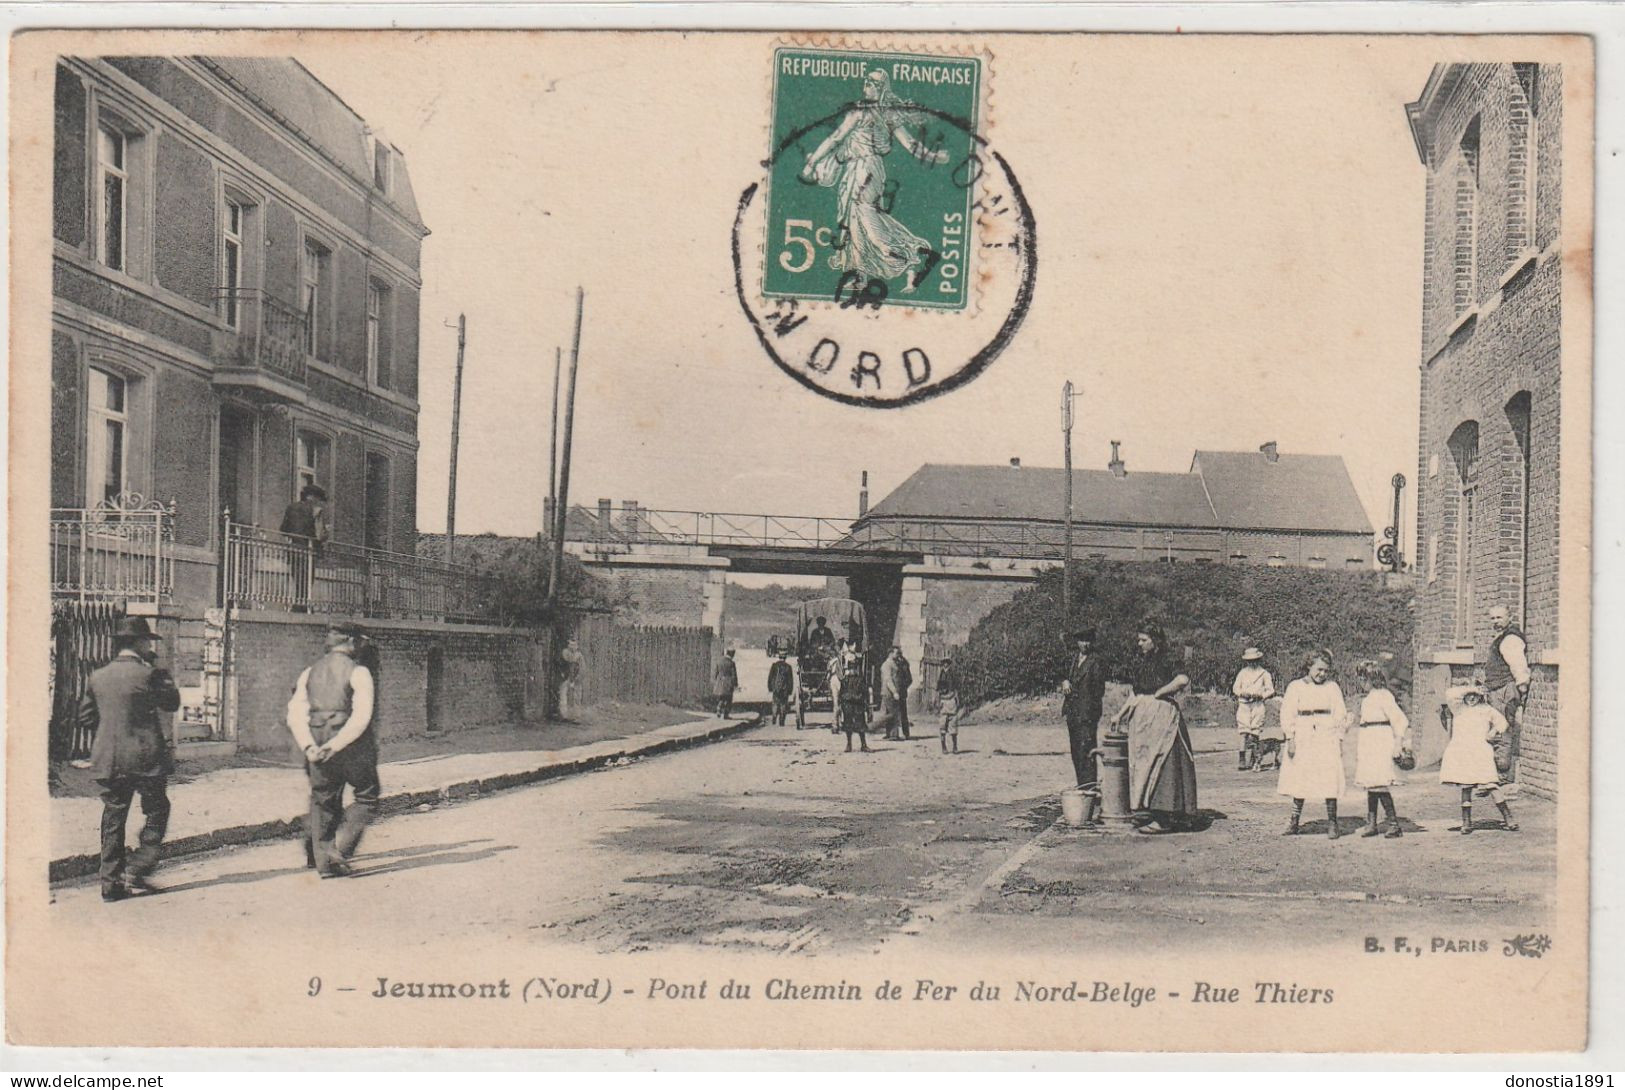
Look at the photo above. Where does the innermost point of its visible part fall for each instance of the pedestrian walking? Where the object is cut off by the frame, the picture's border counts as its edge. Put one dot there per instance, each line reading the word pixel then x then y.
pixel 948 705
pixel 1162 769
pixel 1383 735
pixel 905 683
pixel 852 713
pixel 1506 682
pixel 892 695
pixel 572 665
pixel 781 684
pixel 1314 716
pixel 833 666
pixel 1251 688
pixel 306 525
pixel 131 755
pixel 724 682
pixel 1083 693
pixel 1469 758
pixel 330 716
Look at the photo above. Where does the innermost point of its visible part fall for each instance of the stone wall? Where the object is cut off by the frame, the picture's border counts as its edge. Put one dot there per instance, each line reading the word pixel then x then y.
pixel 433 677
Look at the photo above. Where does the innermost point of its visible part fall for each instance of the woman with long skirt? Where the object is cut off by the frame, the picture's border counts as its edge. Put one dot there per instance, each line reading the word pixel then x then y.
pixel 1162 771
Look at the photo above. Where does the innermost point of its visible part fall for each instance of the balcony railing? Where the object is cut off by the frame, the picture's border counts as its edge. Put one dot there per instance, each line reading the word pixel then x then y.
pixel 120 550
pixel 269 570
pixel 272 337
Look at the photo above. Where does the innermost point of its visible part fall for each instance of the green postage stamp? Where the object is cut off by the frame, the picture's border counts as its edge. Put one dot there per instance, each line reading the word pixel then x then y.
pixel 873 177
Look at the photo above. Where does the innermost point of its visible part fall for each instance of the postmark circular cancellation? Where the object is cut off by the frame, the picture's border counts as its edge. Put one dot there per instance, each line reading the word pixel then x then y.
pixel 886 254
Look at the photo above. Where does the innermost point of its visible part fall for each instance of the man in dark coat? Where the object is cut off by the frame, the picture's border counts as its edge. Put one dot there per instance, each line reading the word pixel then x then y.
pixel 781 682
pixel 305 522
pixel 723 683
pixel 330 716
pixel 1085 691
pixel 131 755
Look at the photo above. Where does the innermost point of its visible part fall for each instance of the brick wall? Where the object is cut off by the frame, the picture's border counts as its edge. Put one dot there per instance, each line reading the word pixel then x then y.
pixel 68 182
pixel 66 485
pixel 183 445
pixel 184 259
pixel 481 677
pixel 1491 363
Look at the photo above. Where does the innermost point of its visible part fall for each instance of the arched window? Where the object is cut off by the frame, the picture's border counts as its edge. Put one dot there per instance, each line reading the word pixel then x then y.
pixel 1516 495
pixel 1463 446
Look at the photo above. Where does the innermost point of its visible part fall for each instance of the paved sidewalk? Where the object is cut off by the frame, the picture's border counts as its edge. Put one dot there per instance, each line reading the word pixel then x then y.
pixel 240 805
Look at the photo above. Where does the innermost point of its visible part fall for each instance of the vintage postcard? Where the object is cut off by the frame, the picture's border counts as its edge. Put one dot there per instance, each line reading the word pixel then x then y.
pixel 1045 541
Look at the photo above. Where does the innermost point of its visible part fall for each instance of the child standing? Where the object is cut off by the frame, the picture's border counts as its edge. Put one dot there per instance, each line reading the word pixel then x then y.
pixel 1382 733
pixel 1313 716
pixel 1469 759
pixel 948 705
pixel 1252 687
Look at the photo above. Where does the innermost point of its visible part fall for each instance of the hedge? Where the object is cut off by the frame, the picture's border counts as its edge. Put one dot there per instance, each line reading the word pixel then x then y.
pixel 1210 613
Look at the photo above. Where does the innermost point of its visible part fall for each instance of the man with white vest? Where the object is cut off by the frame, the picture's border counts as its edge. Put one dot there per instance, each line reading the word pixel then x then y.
pixel 1506 677
pixel 330 718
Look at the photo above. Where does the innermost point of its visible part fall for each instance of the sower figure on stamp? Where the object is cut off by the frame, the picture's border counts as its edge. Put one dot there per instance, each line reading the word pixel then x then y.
pixel 1084 691
pixel 330 718
pixel 131 755
pixel 1506 678
pixel 781 682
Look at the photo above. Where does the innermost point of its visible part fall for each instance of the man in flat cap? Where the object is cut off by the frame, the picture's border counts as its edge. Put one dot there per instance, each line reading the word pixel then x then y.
pixel 131 755
pixel 330 718
pixel 306 523
pixel 1084 692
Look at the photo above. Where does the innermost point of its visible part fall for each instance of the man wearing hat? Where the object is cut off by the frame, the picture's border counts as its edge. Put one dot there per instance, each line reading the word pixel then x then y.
pixel 1084 691
pixel 330 718
pixel 131 755
pixel 305 521
pixel 1252 688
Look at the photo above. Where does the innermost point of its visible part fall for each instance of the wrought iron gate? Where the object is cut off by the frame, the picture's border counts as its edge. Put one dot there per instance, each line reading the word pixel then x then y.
pixel 81 640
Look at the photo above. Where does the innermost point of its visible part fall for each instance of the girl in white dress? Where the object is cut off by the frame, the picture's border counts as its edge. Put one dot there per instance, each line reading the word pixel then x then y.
pixel 1382 732
pixel 1313 716
pixel 1469 759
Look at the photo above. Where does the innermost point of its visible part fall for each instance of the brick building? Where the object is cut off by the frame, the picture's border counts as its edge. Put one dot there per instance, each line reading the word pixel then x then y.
pixel 1488 475
pixel 1263 507
pixel 235 303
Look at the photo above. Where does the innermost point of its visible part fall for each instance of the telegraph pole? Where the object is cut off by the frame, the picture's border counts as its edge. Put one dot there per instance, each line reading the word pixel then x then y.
pixel 562 508
pixel 456 420
pixel 1066 561
pixel 551 514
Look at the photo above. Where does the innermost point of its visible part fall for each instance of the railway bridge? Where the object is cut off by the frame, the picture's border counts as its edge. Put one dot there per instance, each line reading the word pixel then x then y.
pixel 923 588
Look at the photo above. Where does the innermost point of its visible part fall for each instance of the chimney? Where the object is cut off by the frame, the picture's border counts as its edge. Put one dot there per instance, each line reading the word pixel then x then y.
pixel 1015 463
pixel 604 507
pixel 863 496
pixel 1271 451
pixel 1116 464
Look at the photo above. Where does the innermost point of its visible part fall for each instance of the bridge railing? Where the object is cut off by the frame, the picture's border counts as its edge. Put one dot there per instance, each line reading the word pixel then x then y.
pixel 611 528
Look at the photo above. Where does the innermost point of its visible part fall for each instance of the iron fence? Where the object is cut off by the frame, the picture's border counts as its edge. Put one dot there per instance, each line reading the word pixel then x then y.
pixel 264 569
pixel 81 640
pixel 120 550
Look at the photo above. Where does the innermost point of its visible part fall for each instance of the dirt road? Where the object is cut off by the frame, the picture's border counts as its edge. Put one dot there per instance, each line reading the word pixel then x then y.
pixel 779 841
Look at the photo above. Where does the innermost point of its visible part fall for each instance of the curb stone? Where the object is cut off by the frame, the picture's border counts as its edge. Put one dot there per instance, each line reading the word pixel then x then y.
pixel 84 865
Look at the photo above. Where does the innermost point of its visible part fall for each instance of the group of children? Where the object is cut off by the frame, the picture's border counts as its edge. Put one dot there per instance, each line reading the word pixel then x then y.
pixel 1307 743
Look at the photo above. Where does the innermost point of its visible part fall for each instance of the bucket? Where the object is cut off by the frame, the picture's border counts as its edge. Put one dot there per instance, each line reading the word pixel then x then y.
pixel 1073 806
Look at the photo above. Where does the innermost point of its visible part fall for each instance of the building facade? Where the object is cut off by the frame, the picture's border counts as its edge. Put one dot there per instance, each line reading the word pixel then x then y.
pixel 235 304
pixel 1261 507
pixel 1489 136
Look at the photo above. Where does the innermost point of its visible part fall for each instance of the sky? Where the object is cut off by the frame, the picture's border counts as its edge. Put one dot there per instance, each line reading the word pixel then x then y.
pixel 1230 233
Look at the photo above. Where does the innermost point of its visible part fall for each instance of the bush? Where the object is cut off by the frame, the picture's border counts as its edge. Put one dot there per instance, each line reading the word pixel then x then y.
pixel 1211 613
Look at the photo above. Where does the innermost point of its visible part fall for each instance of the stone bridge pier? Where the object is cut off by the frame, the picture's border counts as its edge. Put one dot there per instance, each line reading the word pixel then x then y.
pixel 926 604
